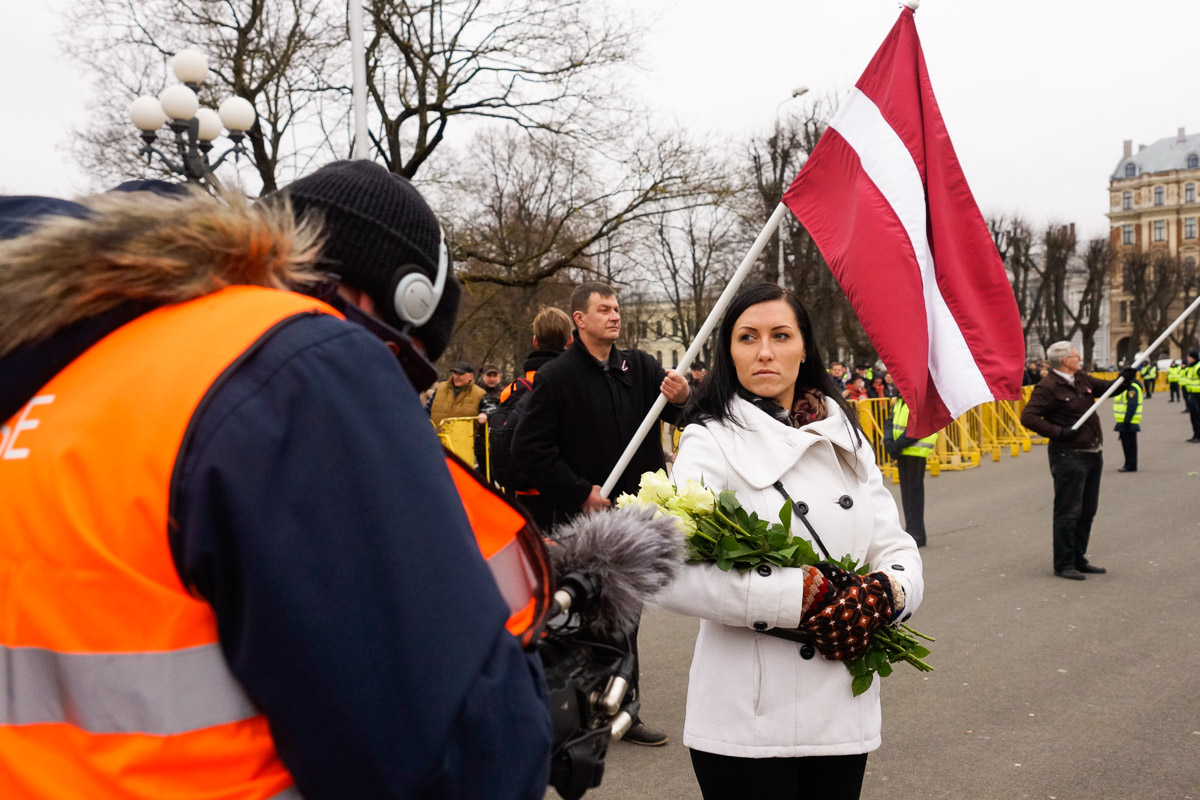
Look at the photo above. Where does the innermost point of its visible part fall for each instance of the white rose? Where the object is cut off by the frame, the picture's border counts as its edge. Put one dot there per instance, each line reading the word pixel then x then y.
pixel 656 488
pixel 696 499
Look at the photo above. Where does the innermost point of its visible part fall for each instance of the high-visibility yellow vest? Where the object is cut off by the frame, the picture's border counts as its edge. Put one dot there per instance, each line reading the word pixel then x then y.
pixel 1149 372
pixel 1121 406
pixel 1189 378
pixel 1173 374
pixel 900 424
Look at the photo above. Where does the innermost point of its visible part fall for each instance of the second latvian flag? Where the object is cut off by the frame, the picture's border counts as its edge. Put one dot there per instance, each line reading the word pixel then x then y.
pixel 885 200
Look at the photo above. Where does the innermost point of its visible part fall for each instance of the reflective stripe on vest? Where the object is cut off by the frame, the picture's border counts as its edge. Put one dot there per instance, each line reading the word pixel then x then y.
pixel 513 550
pixel 1173 375
pixel 508 390
pixel 923 447
pixel 112 682
pixel 1120 405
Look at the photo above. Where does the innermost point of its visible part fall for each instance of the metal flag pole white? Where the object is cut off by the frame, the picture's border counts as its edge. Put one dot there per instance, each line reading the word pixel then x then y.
pixel 1141 357
pixel 718 310
pixel 358 64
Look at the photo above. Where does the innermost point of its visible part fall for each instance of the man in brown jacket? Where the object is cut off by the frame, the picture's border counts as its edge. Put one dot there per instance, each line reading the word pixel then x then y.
pixel 1058 401
pixel 457 396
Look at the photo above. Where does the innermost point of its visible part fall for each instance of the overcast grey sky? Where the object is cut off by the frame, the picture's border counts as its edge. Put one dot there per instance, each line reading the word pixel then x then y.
pixel 1037 94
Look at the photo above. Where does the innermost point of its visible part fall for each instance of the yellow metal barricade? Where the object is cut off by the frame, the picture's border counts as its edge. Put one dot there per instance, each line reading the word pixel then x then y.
pixel 958 444
pixel 458 435
pixel 873 415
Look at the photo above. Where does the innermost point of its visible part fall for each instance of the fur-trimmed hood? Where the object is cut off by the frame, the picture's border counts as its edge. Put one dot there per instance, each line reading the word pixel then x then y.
pixel 148 250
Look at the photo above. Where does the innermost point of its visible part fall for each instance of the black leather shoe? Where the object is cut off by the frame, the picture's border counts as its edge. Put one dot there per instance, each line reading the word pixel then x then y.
pixel 1127 469
pixel 643 734
pixel 1091 569
pixel 1194 439
pixel 1070 574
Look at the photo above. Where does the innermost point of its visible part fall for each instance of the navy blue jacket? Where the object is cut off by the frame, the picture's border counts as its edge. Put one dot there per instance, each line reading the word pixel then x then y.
pixel 315 515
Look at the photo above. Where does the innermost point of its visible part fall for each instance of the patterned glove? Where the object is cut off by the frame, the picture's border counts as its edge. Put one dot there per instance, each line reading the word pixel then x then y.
pixel 856 605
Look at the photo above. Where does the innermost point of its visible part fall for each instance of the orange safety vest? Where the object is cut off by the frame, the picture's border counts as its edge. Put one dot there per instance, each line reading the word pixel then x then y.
pixel 115 682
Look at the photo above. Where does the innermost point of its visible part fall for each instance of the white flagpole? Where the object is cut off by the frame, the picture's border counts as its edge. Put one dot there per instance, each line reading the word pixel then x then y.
pixel 1141 357
pixel 358 63
pixel 718 310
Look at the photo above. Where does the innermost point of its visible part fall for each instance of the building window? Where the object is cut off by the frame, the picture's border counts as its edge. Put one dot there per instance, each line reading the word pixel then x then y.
pixel 1127 201
pixel 674 327
pixel 1160 230
pixel 1131 170
pixel 658 328
pixel 1124 311
pixel 1158 195
pixel 1126 234
pixel 1189 228
pixel 658 355
pixel 1193 161
pixel 1189 193
pixel 674 359
pixel 645 330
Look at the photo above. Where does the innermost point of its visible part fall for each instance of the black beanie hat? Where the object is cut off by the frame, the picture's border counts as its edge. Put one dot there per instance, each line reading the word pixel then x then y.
pixel 376 224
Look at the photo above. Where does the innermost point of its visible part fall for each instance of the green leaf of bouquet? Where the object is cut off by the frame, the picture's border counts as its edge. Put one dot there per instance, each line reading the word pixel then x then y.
pixel 875 659
pixel 728 502
pixel 724 564
pixel 919 651
pixel 885 669
pixel 785 516
pixel 861 684
pixel 858 667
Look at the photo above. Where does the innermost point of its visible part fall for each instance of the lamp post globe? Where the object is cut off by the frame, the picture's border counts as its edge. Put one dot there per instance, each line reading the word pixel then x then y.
pixel 147 113
pixel 179 102
pixel 237 113
pixel 209 124
pixel 190 65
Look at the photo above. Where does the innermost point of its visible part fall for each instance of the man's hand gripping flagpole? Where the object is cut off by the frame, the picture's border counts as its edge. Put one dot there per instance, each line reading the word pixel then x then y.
pixel 1141 359
pixel 714 316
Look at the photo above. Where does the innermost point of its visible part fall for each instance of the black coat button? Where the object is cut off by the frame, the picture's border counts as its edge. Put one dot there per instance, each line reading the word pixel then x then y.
pixel 764 570
pixel 898 567
pixel 760 626
pixel 846 501
pixel 907 617
pixel 807 651
pixel 802 507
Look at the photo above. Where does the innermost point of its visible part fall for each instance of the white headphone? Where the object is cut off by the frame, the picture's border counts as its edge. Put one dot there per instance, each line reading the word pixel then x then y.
pixel 415 298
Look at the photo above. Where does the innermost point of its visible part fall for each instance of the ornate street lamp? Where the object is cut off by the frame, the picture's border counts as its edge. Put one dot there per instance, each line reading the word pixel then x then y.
pixel 194 127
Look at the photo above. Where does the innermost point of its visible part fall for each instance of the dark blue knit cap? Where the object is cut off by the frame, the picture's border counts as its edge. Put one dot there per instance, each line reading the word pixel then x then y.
pixel 20 213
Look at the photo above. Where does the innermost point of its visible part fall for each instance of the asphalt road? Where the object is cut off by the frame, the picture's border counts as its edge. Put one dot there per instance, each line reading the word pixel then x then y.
pixel 1044 687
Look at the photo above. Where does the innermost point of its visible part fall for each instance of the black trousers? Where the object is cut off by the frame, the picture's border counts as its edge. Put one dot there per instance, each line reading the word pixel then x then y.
pixel 1129 447
pixel 912 495
pixel 1076 497
pixel 1193 399
pixel 824 777
pixel 1174 387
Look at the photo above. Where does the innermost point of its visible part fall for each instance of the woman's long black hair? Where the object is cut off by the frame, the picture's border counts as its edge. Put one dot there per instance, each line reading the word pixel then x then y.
pixel 713 399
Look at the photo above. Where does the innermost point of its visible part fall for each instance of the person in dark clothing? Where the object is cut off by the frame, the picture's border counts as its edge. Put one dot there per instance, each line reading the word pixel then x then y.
pixel 552 334
pixel 307 479
pixel 585 408
pixel 1127 410
pixel 1058 401
pixel 489 381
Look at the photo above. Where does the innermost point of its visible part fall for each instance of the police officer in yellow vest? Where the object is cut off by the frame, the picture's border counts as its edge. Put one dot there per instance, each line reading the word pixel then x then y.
pixel 1149 374
pixel 1189 384
pixel 910 455
pixel 1173 380
pixel 1127 410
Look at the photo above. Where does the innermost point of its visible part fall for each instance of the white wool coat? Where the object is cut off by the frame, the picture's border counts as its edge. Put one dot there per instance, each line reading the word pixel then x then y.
pixel 750 694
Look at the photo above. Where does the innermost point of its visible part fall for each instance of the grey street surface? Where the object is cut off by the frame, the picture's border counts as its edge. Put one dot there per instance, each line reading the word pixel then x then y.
pixel 1044 688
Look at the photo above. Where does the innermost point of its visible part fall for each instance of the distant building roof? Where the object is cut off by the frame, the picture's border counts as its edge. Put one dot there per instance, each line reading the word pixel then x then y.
pixel 1162 156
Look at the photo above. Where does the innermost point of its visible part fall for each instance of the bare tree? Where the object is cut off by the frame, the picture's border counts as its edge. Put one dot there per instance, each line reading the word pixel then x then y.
pixel 1058 251
pixel 538 64
pixel 1015 242
pixel 1096 268
pixel 539 204
pixel 1184 336
pixel 692 254
pixel 275 53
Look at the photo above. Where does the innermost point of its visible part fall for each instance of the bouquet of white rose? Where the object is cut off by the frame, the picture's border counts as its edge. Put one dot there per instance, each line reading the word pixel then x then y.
pixel 718 530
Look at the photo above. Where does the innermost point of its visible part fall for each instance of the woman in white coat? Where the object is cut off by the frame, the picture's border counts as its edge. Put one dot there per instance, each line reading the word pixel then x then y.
pixel 768 716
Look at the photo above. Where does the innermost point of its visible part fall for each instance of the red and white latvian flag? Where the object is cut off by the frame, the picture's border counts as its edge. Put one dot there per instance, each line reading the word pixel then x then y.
pixel 885 200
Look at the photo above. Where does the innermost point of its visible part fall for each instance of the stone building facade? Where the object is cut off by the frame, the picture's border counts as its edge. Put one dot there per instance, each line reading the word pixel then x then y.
pixel 1154 208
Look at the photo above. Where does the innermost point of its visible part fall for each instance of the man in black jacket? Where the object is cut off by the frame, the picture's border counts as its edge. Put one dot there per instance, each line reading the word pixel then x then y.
pixel 1058 401
pixel 585 408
